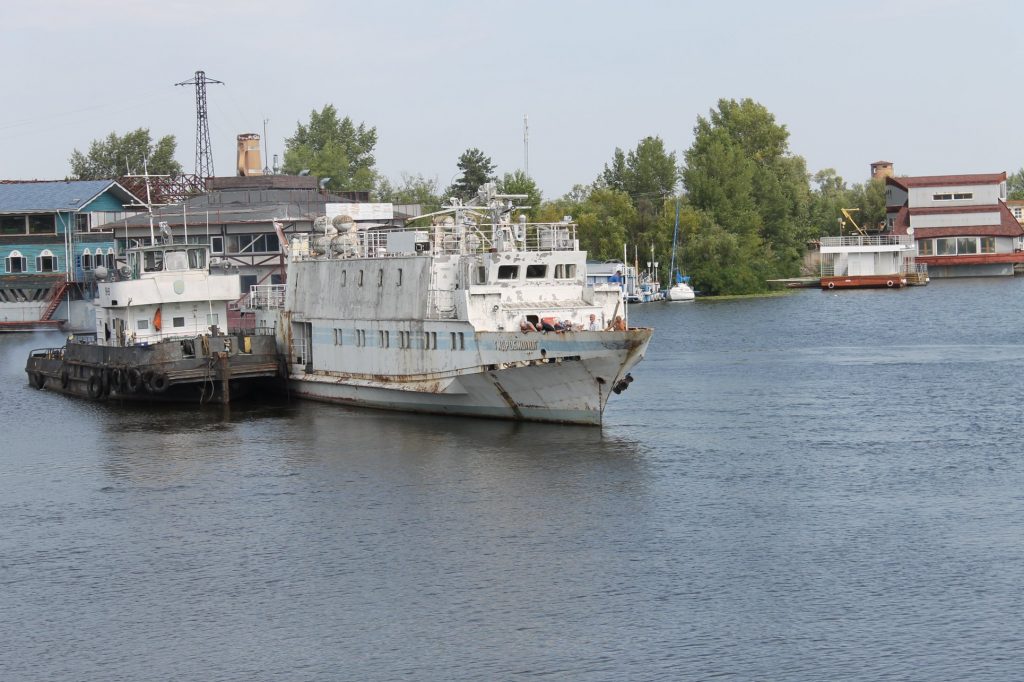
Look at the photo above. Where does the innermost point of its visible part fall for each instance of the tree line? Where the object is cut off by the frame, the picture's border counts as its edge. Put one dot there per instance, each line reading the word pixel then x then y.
pixel 747 206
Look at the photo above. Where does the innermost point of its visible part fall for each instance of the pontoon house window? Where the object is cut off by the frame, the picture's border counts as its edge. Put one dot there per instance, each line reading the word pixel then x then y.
pixel 536 271
pixel 967 245
pixel 942 197
pixel 15 262
pixel 988 245
pixel 945 246
pixel 508 272
pixel 925 247
pixel 958 196
pixel 46 261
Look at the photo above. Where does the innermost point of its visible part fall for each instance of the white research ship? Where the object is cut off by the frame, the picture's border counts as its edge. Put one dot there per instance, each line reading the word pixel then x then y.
pixel 474 315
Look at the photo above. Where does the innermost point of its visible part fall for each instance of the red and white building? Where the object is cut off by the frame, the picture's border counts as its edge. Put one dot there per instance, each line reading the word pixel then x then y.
pixel 960 223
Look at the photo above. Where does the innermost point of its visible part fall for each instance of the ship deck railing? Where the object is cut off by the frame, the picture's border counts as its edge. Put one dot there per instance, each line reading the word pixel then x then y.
pixel 868 240
pixel 448 240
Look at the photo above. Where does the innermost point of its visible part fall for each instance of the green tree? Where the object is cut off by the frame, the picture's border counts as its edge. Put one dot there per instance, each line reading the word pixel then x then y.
pixel 477 169
pixel 413 189
pixel 602 220
pixel 519 182
pixel 335 149
pixel 115 156
pixel 1015 185
pixel 740 175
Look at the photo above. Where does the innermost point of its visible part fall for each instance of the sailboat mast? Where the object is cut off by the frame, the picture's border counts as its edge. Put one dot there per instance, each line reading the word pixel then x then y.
pixel 675 238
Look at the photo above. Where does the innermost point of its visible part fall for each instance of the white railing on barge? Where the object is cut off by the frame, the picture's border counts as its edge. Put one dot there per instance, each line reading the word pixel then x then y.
pixel 868 240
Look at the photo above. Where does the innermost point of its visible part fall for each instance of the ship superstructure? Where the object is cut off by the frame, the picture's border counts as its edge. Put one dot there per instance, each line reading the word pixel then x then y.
pixel 475 314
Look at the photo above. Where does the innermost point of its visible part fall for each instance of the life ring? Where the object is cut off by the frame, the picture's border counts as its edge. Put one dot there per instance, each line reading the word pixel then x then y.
pixel 95 387
pixel 132 380
pixel 889 283
pixel 831 285
pixel 157 383
pixel 37 379
pixel 65 378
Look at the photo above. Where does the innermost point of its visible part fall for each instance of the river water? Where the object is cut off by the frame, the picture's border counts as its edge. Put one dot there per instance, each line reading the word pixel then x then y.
pixel 822 486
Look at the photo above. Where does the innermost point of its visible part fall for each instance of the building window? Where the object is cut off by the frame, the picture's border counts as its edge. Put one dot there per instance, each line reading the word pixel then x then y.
pixel 966 245
pixel 957 196
pixel 217 244
pixel 111 260
pixel 945 246
pixel 988 245
pixel 536 271
pixel 42 224
pixel 87 260
pixel 565 271
pixel 926 247
pixel 81 222
pixel 12 224
pixel 942 197
pixel 253 243
pixel 508 272
pixel 963 196
pixel 15 263
pixel 177 321
pixel 46 261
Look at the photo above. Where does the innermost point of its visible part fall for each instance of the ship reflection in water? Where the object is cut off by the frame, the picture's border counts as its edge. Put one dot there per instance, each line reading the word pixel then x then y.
pixel 797 488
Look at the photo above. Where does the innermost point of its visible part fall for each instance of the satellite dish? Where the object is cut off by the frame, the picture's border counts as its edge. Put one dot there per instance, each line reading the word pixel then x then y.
pixel 910 231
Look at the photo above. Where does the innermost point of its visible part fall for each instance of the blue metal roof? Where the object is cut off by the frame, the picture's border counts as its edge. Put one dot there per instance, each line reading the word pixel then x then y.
pixel 69 195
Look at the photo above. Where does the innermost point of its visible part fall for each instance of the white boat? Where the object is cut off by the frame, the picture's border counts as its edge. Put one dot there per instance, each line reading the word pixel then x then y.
pixel 442 318
pixel 161 334
pixel 680 289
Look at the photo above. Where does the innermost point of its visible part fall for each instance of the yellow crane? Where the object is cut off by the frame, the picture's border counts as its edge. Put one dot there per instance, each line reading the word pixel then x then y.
pixel 848 214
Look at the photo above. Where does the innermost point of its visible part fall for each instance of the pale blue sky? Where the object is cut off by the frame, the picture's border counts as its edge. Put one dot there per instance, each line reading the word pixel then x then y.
pixel 927 84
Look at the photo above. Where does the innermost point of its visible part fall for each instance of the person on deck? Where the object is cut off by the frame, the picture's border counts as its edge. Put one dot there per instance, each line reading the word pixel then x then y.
pixel 616 278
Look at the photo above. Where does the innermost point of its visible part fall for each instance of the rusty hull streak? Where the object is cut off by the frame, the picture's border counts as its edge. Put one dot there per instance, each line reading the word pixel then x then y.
pixel 506 397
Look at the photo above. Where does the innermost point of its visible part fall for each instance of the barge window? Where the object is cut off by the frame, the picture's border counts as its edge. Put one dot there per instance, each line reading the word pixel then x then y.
pixel 399 276
pixel 360 337
pixel 462 341
pixel 384 337
pixel 536 271
pixel 360 278
pixel 344 278
pixel 338 337
pixel 565 271
pixel 178 322
pixel 508 272
pixel 430 340
pixel 380 278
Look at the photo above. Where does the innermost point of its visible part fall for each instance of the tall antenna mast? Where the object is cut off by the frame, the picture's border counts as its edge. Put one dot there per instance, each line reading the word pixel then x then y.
pixel 204 157
pixel 266 154
pixel 526 146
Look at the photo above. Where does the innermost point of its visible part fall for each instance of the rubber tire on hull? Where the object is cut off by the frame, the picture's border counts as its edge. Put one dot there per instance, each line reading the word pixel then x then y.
pixel 95 387
pixel 37 380
pixel 65 377
pixel 157 383
pixel 133 380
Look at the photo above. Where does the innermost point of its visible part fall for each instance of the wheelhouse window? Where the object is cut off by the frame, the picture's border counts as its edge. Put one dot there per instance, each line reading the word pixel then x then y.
pixel 536 271
pixel 15 263
pixel 197 259
pixel 153 261
pixel 565 271
pixel 508 272
pixel 46 261
pixel 42 224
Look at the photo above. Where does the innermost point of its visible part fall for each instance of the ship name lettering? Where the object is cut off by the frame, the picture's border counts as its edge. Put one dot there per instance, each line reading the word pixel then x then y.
pixel 516 344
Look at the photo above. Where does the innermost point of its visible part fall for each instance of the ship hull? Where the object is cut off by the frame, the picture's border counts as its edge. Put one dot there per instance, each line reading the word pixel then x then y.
pixel 569 382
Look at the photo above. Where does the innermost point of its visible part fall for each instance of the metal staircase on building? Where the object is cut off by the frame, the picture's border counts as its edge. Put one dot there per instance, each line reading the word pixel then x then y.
pixel 55 301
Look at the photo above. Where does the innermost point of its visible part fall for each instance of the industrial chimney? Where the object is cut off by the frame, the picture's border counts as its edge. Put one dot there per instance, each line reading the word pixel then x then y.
pixel 249 162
